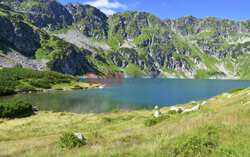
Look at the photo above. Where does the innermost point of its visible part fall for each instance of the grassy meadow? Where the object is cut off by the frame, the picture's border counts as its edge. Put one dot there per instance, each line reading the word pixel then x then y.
pixel 219 128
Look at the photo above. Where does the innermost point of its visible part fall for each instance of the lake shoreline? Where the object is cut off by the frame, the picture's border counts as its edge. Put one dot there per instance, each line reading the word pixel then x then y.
pixel 137 132
pixel 53 90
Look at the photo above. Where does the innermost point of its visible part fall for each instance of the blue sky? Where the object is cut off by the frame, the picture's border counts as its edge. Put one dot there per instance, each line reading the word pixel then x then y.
pixel 228 9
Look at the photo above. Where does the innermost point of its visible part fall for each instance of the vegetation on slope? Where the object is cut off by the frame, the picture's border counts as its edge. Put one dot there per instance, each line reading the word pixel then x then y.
pixel 13 109
pixel 197 48
pixel 219 128
pixel 14 80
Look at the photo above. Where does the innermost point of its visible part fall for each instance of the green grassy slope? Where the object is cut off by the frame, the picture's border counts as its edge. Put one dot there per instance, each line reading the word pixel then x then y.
pixel 219 128
pixel 14 80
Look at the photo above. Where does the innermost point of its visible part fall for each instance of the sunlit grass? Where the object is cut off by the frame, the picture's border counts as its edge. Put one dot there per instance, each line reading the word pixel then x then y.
pixel 74 85
pixel 225 118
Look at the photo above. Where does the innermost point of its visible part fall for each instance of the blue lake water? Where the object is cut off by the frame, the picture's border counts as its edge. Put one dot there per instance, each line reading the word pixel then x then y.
pixel 132 94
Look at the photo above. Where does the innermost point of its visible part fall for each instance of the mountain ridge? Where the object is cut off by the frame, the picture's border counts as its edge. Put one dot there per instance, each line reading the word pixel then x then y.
pixel 141 44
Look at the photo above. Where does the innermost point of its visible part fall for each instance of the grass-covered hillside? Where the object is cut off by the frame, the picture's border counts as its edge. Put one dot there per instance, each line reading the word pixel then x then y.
pixel 13 80
pixel 77 38
pixel 219 128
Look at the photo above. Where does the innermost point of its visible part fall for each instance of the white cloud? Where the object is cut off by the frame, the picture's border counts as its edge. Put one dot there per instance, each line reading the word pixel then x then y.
pixel 107 6
pixel 107 11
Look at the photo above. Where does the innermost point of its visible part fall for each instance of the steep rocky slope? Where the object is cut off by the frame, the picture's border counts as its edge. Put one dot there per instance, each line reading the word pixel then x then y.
pixel 30 46
pixel 137 43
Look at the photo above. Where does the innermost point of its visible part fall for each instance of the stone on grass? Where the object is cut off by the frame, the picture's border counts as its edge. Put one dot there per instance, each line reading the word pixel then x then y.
pixel 196 108
pixel 186 110
pixel 183 108
pixel 80 136
pixel 34 109
pixel 127 131
pixel 176 109
pixel 157 113
pixel 203 102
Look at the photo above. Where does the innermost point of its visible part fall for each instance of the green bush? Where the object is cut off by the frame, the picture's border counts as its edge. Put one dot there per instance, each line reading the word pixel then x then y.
pixel 11 79
pixel 171 112
pixel 194 145
pixel 40 84
pixel 201 143
pixel 180 111
pixel 69 140
pixel 12 109
pixel 235 90
pixel 153 120
pixel 18 65
pixel 77 87
pixel 150 121
pixel 107 119
pixel 25 88
pixel 115 111
pixel 6 91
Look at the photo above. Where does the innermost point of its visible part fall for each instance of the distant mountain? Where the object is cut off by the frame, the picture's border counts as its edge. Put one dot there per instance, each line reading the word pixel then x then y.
pixel 76 39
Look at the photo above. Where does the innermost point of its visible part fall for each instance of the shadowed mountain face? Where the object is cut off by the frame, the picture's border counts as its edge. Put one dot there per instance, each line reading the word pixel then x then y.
pixel 78 38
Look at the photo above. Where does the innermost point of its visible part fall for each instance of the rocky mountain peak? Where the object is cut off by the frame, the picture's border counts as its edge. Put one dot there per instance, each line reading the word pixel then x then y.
pixel 138 41
pixel 89 20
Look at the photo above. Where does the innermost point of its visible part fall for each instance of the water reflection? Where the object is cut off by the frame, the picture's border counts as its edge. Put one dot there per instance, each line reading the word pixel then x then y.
pixel 133 94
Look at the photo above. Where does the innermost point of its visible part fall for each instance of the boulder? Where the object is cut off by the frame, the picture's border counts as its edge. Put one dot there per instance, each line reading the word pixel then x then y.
pixel 157 113
pixel 175 109
pixel 187 110
pixel 156 107
pixel 183 108
pixel 80 136
pixel 34 109
pixel 127 131
pixel 196 108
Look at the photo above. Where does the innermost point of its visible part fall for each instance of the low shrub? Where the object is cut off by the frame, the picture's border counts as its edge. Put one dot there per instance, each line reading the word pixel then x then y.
pixel 180 111
pixel 107 119
pixel 40 84
pixel 201 143
pixel 18 65
pixel 194 145
pixel 135 139
pixel 115 111
pixel 150 121
pixel 6 91
pixel 25 88
pixel 153 120
pixel 12 109
pixel 20 79
pixel 69 140
pixel 235 90
pixel 171 112
pixel 77 87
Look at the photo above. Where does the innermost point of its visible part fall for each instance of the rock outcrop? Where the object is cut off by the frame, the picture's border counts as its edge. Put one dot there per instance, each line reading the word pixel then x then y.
pixel 130 42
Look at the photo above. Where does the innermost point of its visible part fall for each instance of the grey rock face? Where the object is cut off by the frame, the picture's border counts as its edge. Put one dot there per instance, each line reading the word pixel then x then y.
pixel 73 61
pixel 130 23
pixel 178 47
pixel 218 32
pixel 44 13
pixel 19 34
pixel 13 57
pixel 90 20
